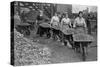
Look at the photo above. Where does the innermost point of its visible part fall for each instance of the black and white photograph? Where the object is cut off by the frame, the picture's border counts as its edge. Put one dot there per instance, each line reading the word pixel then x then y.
pixel 52 33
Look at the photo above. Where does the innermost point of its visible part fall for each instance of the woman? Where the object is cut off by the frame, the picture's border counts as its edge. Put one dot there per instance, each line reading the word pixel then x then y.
pixel 55 20
pixel 80 24
pixel 65 22
pixel 55 24
pixel 65 25
pixel 80 27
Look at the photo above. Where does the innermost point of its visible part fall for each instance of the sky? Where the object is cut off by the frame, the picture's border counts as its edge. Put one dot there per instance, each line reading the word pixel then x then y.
pixel 77 8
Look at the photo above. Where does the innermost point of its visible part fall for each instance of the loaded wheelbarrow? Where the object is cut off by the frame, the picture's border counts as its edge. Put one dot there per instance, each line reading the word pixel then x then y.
pixel 81 42
pixel 55 32
pixel 24 28
pixel 67 36
pixel 45 29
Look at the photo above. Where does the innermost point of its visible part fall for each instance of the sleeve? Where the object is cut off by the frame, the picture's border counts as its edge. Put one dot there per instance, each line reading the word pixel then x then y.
pixel 84 23
pixel 74 24
pixel 62 23
pixel 51 22
pixel 70 22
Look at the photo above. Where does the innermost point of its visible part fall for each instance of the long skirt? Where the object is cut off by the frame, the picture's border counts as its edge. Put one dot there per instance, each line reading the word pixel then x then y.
pixel 80 30
pixel 67 35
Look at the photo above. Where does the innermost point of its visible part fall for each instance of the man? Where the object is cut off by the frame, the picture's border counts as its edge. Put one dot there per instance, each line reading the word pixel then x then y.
pixel 41 18
pixel 23 17
pixel 88 23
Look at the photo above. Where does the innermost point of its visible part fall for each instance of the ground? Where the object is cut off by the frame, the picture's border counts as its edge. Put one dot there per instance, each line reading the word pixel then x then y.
pixel 63 54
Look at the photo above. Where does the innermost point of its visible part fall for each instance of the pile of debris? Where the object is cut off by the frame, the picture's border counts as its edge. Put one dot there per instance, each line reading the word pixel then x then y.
pixel 27 52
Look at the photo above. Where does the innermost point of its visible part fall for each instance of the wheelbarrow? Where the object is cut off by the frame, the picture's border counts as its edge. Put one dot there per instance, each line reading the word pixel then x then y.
pixel 81 42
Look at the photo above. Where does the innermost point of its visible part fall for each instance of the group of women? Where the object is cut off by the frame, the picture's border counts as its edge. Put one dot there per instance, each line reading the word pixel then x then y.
pixel 64 23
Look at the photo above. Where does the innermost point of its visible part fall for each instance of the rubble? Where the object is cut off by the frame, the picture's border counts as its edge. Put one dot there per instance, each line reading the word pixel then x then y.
pixel 27 52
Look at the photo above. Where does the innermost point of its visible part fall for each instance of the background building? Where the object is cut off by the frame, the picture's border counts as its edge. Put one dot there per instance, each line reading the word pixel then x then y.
pixel 65 8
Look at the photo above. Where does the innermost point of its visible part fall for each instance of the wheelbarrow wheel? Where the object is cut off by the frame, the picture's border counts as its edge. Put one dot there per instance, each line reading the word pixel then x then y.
pixel 27 32
pixel 54 37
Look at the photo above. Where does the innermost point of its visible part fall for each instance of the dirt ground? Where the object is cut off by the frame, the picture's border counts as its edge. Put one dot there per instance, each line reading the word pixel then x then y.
pixel 63 54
